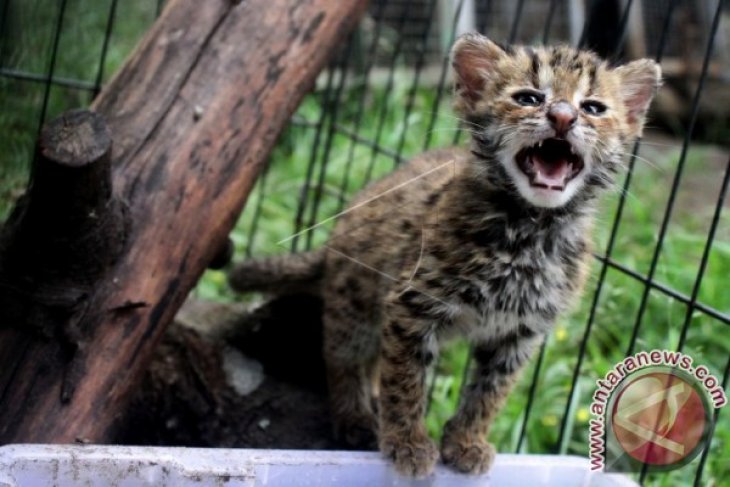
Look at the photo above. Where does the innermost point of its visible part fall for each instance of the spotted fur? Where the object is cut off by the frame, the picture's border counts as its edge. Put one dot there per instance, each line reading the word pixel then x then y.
pixel 458 242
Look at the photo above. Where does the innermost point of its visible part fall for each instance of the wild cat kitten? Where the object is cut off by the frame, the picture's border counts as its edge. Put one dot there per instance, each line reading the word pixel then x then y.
pixel 491 242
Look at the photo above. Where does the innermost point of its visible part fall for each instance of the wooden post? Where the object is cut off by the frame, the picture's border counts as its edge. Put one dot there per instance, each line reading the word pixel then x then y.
pixel 194 113
pixel 62 237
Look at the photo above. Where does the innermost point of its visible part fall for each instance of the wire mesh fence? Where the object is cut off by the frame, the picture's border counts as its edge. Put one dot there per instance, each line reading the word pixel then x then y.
pixel 663 243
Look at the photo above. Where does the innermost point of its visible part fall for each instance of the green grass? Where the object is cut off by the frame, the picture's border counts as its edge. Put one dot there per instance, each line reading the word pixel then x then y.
pixel 277 197
pixel 26 46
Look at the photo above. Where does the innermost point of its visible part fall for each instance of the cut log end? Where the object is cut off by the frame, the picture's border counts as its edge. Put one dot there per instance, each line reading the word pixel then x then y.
pixel 72 181
pixel 76 138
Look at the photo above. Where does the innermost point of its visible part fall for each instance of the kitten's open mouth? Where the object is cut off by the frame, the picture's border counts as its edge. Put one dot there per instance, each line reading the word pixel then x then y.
pixel 549 164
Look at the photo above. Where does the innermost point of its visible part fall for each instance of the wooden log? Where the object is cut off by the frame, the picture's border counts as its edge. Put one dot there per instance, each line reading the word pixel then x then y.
pixel 194 113
pixel 58 227
pixel 62 237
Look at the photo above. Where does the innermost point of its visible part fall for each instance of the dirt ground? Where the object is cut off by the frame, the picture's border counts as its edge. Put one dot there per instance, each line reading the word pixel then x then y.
pixel 225 377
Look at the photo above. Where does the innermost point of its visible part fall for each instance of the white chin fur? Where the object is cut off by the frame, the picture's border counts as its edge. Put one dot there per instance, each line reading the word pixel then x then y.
pixel 542 197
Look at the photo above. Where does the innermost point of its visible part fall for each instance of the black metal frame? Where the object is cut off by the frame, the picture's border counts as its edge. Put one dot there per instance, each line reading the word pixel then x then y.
pixel 327 126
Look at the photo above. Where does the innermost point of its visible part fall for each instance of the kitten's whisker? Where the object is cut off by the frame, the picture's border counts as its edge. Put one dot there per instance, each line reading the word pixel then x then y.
pixel 473 125
pixel 467 123
pixel 628 194
pixel 652 164
pixel 441 114
pixel 462 120
pixel 619 189
pixel 659 144
pixel 420 256
pixel 455 129
pixel 452 129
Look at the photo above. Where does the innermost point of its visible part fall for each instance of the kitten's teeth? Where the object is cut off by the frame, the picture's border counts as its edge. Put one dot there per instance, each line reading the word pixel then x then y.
pixel 539 144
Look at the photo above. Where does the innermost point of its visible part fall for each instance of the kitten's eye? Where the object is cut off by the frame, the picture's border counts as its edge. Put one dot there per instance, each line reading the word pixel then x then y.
pixel 529 98
pixel 592 107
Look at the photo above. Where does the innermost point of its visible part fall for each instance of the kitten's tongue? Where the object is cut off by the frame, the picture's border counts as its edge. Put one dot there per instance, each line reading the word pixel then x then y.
pixel 552 173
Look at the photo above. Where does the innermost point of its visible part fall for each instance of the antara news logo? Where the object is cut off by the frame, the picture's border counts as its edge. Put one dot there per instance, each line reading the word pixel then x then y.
pixel 654 411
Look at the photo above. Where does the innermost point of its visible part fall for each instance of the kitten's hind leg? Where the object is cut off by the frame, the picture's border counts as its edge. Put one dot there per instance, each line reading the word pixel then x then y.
pixel 351 353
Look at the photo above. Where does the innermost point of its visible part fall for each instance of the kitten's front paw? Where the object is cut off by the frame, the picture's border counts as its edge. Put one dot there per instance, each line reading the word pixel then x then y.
pixel 414 458
pixel 468 457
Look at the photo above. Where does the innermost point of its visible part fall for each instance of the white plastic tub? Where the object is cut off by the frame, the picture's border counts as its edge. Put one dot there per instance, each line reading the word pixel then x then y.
pixel 67 466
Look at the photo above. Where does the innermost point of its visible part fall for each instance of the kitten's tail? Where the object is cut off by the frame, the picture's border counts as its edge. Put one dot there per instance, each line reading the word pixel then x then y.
pixel 280 274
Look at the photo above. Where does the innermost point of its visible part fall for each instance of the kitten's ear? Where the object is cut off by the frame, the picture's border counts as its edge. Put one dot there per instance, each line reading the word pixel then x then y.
pixel 473 58
pixel 640 81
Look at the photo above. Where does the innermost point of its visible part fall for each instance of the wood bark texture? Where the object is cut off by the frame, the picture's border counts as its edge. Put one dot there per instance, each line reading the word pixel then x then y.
pixel 193 114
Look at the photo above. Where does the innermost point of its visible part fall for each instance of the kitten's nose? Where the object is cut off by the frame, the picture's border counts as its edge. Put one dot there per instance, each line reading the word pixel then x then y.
pixel 562 117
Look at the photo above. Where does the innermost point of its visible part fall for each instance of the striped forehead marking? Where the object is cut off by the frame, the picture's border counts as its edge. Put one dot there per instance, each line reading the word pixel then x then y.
pixel 562 69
